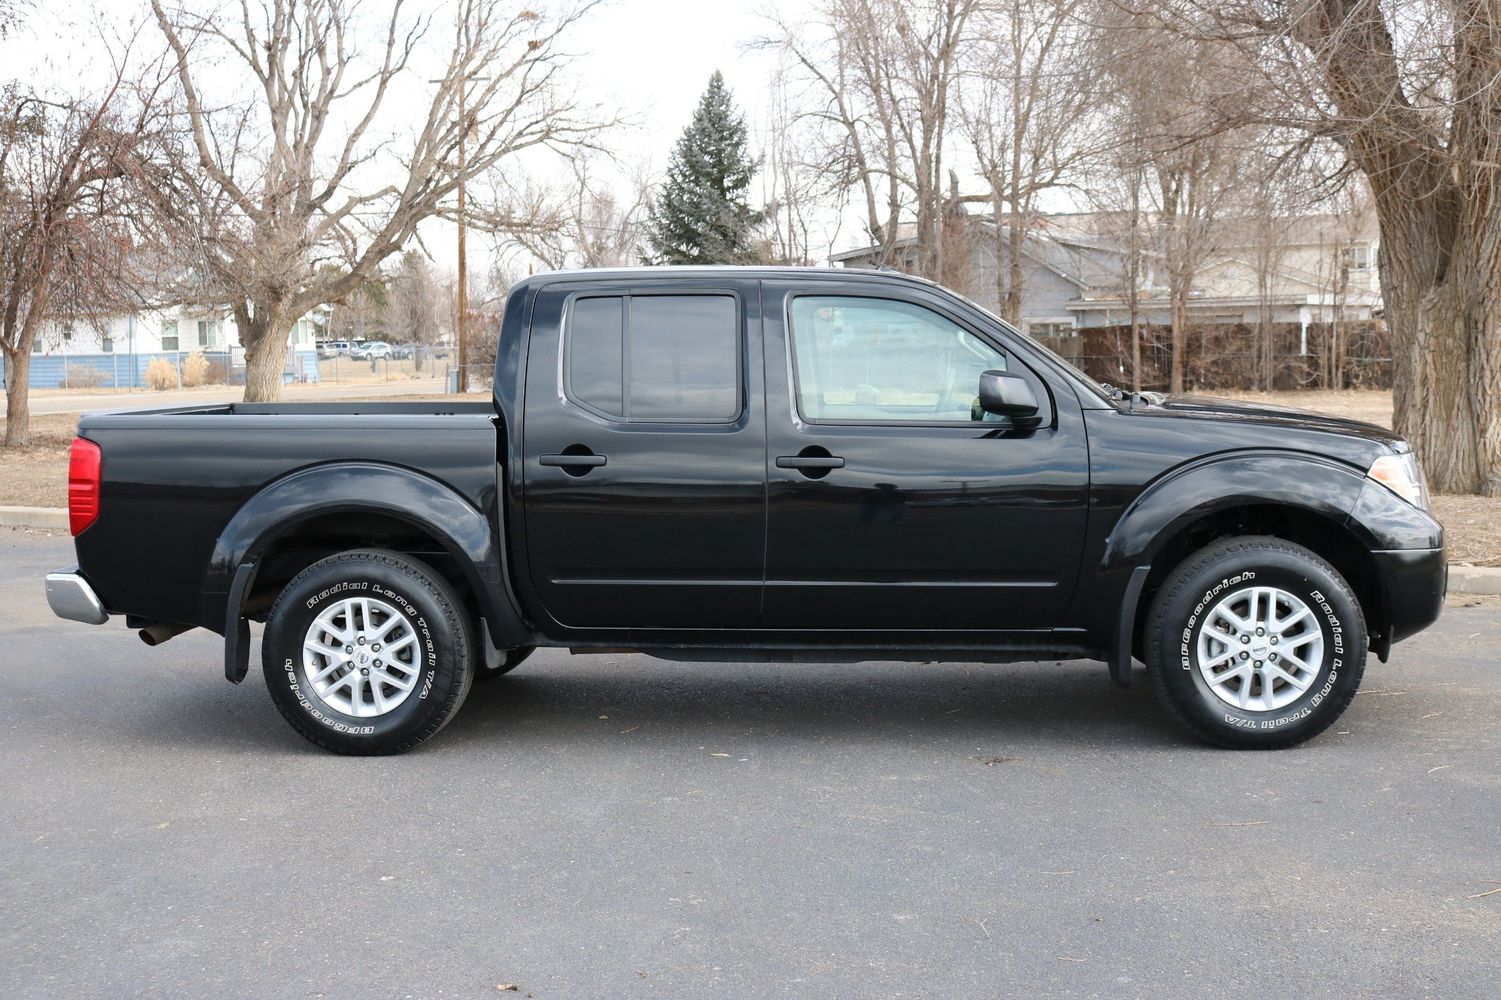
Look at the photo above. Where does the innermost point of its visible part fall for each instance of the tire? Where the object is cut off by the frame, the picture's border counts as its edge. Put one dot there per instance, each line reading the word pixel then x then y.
pixel 510 660
pixel 1266 690
pixel 366 596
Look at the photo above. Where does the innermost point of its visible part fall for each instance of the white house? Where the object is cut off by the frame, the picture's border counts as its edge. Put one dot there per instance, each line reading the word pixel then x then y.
pixel 117 351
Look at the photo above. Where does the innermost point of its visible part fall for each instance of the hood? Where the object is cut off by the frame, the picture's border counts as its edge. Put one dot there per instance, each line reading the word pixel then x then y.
pixel 1212 408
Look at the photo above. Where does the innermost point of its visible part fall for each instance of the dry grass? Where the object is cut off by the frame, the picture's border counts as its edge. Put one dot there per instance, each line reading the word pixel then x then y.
pixel 37 476
pixel 1374 406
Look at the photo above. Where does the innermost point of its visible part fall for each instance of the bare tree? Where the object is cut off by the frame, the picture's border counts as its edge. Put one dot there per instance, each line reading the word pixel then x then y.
pixel 70 250
pixel 882 75
pixel 417 311
pixel 1409 91
pixel 1161 113
pixel 585 222
pixel 1028 115
pixel 303 175
pixel 361 314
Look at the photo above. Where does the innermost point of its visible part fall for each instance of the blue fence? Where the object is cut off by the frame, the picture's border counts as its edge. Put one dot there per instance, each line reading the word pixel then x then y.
pixel 128 371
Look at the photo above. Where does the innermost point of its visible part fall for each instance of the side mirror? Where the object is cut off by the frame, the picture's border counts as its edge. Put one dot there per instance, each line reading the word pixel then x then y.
pixel 1009 395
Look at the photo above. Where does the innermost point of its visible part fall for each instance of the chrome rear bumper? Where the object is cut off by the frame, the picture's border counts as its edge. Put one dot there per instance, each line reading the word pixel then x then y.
pixel 70 596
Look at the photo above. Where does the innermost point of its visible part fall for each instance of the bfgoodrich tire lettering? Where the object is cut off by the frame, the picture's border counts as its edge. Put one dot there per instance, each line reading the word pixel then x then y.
pixel 1225 587
pixel 439 656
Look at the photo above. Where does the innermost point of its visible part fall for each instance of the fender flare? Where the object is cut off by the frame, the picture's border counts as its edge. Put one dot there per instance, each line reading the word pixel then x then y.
pixel 1190 492
pixel 419 500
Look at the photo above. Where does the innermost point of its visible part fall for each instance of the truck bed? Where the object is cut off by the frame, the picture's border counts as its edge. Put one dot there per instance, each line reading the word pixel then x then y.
pixel 172 480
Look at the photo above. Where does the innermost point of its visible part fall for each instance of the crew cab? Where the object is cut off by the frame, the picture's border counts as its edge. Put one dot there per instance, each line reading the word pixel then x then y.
pixel 750 464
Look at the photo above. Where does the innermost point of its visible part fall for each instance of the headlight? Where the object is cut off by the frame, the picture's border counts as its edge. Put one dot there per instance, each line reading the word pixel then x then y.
pixel 1402 475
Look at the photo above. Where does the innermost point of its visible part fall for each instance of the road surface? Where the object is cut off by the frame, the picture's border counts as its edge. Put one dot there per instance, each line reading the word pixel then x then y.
pixel 619 827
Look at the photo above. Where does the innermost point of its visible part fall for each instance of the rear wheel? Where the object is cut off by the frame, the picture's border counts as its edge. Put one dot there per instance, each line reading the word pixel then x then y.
pixel 1256 643
pixel 368 652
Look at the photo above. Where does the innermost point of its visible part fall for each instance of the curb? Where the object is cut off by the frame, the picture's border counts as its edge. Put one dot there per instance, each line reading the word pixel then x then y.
pixel 1462 579
pixel 52 518
pixel 1474 579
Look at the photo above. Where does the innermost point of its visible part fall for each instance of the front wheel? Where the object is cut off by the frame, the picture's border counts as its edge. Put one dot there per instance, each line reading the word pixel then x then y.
pixel 1256 643
pixel 368 652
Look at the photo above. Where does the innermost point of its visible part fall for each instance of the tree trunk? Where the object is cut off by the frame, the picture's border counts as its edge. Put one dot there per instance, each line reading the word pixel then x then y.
pixel 1179 297
pixel 17 395
pixel 265 341
pixel 1446 375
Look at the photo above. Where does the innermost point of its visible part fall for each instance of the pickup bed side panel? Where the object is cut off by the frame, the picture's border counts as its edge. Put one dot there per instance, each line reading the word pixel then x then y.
pixel 173 481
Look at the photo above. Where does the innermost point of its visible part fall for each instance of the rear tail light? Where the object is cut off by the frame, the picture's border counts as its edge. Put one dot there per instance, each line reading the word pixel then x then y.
pixel 83 485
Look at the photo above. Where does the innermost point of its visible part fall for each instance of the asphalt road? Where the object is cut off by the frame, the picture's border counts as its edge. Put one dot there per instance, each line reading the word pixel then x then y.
pixel 612 827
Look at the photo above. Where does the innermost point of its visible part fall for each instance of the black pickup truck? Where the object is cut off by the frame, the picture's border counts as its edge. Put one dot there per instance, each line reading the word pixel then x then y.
pixel 743 464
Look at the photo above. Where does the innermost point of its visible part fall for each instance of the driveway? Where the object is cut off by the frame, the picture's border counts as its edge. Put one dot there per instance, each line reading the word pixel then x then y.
pixel 614 826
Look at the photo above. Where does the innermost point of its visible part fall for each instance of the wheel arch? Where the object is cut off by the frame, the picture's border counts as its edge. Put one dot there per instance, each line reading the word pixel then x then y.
pixel 1300 498
pixel 316 511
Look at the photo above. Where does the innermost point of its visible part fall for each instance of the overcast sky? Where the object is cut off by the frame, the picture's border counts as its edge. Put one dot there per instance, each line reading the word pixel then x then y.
pixel 650 60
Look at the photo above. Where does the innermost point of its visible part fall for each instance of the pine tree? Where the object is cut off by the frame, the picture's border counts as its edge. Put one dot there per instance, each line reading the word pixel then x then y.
pixel 700 214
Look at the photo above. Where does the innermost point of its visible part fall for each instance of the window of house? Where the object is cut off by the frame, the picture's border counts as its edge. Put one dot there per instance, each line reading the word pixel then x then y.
pixel 169 335
pixel 208 333
pixel 107 344
pixel 654 357
pixel 1056 328
pixel 880 360
pixel 1356 257
pixel 67 331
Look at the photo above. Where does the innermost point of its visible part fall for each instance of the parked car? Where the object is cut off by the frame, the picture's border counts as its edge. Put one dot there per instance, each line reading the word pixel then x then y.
pixel 371 349
pixel 760 464
pixel 403 352
pixel 332 348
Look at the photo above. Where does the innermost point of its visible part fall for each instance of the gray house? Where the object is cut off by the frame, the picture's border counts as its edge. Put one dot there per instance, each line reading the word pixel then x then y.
pixel 1309 269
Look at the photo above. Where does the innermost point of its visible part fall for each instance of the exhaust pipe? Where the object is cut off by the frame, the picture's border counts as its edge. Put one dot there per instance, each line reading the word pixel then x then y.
pixel 159 632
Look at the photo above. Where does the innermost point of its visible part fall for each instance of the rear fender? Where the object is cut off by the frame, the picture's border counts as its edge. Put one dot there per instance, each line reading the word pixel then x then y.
pixel 426 504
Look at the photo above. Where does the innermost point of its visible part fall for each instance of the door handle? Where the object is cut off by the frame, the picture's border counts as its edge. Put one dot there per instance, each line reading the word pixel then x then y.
pixel 809 462
pixel 573 461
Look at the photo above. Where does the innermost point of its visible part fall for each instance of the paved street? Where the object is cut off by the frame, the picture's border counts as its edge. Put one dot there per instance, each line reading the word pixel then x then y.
pixel 608 827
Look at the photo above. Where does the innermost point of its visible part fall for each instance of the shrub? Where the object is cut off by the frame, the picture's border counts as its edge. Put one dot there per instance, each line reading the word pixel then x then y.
pixel 84 377
pixel 194 369
pixel 161 375
pixel 216 374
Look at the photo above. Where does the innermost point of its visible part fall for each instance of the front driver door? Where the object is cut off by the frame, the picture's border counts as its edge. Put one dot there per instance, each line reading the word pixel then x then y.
pixel 893 502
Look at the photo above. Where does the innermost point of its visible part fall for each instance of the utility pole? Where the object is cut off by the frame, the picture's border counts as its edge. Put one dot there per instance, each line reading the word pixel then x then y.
pixel 463 317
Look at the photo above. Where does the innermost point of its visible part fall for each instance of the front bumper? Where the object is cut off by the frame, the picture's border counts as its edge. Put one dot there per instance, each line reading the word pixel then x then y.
pixel 70 596
pixel 1415 581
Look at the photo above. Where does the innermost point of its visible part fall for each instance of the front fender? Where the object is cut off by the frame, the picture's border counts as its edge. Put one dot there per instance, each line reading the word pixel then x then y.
pixel 419 500
pixel 1235 479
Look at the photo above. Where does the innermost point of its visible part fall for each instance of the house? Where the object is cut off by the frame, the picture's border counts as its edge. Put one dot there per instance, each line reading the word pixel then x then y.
pixel 116 352
pixel 1304 270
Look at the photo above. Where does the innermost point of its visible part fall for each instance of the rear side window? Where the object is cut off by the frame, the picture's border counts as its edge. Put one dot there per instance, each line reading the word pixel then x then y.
pixel 644 358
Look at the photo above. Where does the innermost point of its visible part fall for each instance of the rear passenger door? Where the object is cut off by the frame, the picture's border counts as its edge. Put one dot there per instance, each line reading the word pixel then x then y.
pixel 645 449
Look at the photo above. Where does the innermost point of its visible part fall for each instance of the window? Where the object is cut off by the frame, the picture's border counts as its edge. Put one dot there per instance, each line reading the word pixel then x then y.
pixel 1356 257
pixel 208 333
pixel 655 357
pixel 107 344
pixel 879 360
pixel 169 336
pixel 1052 328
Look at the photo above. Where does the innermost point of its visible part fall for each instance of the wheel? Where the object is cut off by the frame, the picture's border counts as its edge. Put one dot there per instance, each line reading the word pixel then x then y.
pixel 1256 643
pixel 368 652
pixel 508 660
